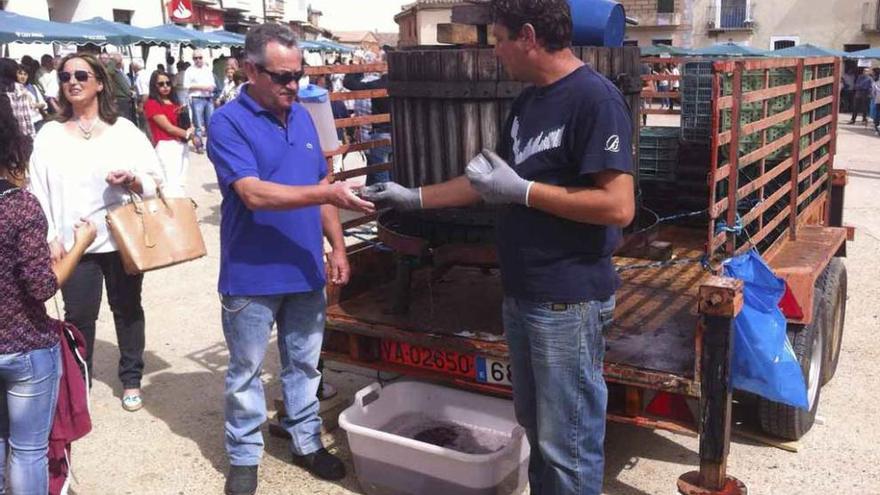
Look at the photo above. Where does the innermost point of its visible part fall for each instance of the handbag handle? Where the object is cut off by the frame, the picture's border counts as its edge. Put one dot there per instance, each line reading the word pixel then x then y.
pixel 138 201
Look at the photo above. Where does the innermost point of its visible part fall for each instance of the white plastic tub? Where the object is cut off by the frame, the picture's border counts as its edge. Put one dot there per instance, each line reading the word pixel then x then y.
pixel 387 463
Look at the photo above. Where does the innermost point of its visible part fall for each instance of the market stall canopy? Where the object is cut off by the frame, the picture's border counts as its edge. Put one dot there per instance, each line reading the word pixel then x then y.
pixel 729 49
pixel 23 29
pixel 200 39
pixel 869 53
pixel 123 34
pixel 310 45
pixel 332 46
pixel 660 50
pixel 807 50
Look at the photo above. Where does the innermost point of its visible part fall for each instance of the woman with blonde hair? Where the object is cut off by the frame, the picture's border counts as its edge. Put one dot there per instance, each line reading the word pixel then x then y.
pixel 84 164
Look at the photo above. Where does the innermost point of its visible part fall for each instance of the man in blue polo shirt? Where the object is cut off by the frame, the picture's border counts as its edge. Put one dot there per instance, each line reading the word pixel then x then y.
pixel 277 201
pixel 564 178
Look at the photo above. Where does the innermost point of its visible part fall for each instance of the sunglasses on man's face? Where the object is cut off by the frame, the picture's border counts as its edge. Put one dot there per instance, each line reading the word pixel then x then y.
pixel 79 75
pixel 163 84
pixel 281 78
pixel 197 58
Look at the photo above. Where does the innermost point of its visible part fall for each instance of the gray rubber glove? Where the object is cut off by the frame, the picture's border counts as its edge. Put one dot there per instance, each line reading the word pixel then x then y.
pixel 392 194
pixel 496 182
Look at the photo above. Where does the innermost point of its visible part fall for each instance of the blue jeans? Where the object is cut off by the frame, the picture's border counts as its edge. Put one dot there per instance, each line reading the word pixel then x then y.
pixel 202 109
pixel 376 156
pixel 247 323
pixel 559 394
pixel 28 394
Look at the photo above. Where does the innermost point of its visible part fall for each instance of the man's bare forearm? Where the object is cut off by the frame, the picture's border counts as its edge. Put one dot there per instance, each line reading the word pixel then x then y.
pixel 450 194
pixel 264 195
pixel 332 227
pixel 614 205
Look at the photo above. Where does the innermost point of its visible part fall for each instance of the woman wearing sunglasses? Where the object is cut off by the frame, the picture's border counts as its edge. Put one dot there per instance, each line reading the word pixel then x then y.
pixel 83 165
pixel 170 138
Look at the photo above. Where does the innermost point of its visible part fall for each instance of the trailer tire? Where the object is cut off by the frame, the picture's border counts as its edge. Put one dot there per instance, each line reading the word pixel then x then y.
pixel 788 422
pixel 831 294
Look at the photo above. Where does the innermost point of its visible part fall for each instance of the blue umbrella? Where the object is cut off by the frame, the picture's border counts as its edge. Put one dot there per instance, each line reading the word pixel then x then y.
pixel 869 53
pixel 728 49
pixel 14 27
pixel 807 50
pixel 123 34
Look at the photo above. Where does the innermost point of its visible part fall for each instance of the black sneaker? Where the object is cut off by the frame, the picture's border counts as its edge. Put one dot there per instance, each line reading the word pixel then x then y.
pixel 242 480
pixel 322 464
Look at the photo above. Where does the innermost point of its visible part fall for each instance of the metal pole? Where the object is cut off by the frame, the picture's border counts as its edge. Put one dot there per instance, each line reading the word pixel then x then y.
pixel 164 14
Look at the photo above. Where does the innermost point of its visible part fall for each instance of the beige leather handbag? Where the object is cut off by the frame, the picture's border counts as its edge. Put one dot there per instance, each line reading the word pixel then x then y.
pixel 156 233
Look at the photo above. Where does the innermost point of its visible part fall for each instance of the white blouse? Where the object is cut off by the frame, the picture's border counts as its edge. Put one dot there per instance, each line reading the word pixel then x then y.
pixel 68 176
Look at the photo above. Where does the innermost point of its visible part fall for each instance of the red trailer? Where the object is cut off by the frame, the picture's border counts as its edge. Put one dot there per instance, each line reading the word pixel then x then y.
pixel 668 354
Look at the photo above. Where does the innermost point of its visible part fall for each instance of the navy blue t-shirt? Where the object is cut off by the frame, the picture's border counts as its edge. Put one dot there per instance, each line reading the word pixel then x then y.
pixel 563 134
pixel 264 253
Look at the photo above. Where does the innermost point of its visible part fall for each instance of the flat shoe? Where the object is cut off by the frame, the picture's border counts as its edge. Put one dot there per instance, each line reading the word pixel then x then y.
pixel 132 403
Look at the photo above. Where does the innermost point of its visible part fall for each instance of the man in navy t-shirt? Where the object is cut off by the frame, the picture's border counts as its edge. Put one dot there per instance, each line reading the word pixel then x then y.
pixel 277 203
pixel 563 171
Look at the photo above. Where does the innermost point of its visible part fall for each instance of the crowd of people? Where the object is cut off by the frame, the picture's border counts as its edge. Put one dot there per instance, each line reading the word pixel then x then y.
pixel 66 121
pixel 860 91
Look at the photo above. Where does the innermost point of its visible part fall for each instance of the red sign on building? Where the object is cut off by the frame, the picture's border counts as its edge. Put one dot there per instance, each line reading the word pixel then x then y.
pixel 208 17
pixel 181 10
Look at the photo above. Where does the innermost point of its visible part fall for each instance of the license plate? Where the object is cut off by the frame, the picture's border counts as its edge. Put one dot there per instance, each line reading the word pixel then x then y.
pixel 494 371
pixel 448 362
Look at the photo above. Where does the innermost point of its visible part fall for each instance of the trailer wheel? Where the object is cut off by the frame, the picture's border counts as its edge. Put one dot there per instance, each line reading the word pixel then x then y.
pixel 789 422
pixel 831 291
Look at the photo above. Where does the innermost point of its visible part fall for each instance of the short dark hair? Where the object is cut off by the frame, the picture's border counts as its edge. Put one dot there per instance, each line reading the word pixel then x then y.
pixel 260 36
pixel 106 102
pixel 550 18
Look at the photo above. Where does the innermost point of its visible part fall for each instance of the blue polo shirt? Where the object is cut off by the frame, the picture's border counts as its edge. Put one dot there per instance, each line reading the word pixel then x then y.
pixel 266 253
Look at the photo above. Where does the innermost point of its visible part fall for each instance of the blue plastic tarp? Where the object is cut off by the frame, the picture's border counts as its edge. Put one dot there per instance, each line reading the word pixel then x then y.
pixel 24 29
pixel 764 362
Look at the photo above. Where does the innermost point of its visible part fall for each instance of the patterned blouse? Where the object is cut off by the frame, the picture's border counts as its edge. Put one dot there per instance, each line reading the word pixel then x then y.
pixel 26 277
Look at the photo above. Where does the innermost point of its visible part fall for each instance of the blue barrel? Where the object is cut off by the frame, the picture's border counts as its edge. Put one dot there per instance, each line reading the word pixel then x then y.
pixel 597 23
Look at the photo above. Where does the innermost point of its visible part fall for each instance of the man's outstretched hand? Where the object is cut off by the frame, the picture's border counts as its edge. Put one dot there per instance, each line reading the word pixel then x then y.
pixel 392 195
pixel 496 182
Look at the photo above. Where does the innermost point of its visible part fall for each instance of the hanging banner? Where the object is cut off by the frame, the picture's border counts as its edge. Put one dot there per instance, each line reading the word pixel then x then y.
pixel 180 10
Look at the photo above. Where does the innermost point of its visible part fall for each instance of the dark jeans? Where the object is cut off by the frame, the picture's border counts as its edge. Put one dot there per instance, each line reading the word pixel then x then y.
pixel 877 115
pixel 378 156
pixel 860 106
pixel 82 301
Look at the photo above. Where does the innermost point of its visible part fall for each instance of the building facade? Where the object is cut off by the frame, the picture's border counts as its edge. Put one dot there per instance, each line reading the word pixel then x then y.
pixel 418 21
pixel 842 25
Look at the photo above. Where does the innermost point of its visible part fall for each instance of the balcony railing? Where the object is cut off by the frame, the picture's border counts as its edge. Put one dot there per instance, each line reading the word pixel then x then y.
pixel 730 16
pixel 871 17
